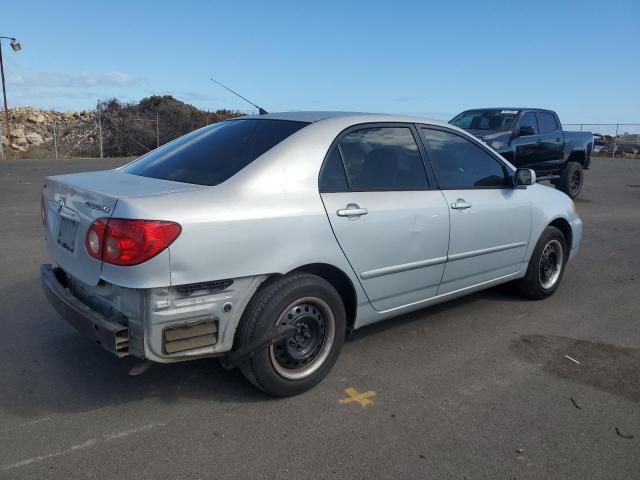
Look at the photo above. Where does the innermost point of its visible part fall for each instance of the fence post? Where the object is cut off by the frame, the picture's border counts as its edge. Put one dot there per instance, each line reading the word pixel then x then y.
pixel 55 140
pixel 615 142
pixel 1 145
pixel 100 128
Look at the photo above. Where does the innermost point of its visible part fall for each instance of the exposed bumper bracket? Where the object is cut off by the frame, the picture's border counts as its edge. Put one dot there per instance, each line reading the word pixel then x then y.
pixel 111 333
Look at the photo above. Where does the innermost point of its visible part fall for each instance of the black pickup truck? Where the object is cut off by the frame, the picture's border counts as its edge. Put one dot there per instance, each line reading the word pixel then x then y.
pixel 533 138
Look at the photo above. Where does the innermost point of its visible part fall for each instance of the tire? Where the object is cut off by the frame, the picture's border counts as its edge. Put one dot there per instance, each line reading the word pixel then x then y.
pixel 300 362
pixel 546 266
pixel 571 179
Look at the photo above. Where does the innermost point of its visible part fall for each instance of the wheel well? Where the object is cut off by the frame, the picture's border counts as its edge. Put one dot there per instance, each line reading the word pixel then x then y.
pixel 341 282
pixel 564 226
pixel 577 156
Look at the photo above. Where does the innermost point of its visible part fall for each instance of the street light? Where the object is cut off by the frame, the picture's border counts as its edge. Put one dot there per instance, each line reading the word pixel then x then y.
pixel 15 44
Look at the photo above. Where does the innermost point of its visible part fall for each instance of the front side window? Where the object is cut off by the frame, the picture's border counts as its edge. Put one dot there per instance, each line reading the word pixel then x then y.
pixel 528 124
pixel 459 163
pixel 213 154
pixel 382 158
pixel 547 122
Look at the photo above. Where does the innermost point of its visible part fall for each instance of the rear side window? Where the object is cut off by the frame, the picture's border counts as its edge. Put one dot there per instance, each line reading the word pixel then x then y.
pixel 211 155
pixel 333 177
pixel 383 158
pixel 459 163
pixel 547 122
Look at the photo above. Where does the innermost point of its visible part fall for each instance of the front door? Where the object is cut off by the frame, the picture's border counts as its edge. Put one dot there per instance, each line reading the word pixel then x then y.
pixel 490 220
pixel 528 144
pixel 393 229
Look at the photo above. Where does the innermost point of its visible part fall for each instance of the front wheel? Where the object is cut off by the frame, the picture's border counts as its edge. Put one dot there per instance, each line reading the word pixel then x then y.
pixel 546 265
pixel 571 179
pixel 297 363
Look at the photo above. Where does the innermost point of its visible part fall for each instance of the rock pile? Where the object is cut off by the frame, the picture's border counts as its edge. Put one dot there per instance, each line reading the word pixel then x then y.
pixel 30 127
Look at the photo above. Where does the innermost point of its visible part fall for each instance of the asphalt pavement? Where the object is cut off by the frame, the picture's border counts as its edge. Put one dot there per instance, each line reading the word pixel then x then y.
pixel 478 388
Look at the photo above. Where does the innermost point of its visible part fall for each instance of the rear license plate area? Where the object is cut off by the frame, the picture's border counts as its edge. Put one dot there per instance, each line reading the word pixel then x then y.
pixel 67 233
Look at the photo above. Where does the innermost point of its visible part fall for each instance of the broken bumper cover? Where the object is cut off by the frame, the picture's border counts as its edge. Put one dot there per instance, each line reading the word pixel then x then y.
pixel 110 333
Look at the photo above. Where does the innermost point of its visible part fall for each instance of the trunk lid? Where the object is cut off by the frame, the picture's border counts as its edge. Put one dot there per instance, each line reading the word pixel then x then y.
pixel 72 202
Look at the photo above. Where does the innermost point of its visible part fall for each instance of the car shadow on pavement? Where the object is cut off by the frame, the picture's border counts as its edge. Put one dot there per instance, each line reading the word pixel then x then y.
pixel 501 293
pixel 63 371
pixel 47 366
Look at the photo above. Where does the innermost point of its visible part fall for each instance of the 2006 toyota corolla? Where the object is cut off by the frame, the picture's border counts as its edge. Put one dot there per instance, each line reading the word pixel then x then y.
pixel 264 240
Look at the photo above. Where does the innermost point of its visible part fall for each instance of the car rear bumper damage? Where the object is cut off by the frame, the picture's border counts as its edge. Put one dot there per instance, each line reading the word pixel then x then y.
pixel 168 324
pixel 110 333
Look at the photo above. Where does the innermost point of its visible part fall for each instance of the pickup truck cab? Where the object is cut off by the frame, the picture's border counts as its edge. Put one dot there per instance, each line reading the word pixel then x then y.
pixel 533 138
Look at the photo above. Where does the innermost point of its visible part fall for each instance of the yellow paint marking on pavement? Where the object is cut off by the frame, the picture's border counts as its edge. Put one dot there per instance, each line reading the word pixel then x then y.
pixel 361 398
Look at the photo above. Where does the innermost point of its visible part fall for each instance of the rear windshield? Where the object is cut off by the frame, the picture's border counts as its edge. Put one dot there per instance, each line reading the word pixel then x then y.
pixel 213 154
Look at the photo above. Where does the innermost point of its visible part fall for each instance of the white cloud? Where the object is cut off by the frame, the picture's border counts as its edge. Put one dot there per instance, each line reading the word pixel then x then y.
pixel 72 80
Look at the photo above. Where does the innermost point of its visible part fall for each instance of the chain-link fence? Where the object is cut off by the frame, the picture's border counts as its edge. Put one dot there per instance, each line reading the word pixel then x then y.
pixel 620 140
pixel 112 130
pixel 122 130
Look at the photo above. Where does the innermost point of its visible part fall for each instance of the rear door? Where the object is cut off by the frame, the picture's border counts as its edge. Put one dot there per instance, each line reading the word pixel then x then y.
pixel 527 145
pixel 392 226
pixel 490 220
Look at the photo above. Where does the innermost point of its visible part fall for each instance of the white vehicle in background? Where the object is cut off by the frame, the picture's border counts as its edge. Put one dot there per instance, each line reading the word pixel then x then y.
pixel 264 240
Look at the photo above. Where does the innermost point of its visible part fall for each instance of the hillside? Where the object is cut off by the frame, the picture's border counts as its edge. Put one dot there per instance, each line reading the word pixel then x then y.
pixel 128 129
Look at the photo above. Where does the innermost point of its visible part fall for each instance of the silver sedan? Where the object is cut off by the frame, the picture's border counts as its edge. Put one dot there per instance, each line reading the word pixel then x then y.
pixel 265 240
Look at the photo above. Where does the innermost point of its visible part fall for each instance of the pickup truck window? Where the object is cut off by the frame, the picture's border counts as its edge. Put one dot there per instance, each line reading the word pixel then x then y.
pixel 529 120
pixel 459 163
pixel 547 122
pixel 385 158
pixel 213 154
pixel 498 120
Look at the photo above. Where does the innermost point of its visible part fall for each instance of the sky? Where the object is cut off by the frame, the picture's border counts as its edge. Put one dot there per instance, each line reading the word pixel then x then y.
pixel 434 59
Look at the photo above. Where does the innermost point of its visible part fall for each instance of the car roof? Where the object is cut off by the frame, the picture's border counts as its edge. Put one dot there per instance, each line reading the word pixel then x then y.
pixel 358 117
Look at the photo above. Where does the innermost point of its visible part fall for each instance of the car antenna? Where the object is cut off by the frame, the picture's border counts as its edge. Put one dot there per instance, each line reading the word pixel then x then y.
pixel 261 110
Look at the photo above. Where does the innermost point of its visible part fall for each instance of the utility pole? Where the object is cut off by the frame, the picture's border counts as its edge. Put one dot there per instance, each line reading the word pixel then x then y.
pixel 1 144
pixel 55 141
pixel 100 128
pixel 157 130
pixel 16 47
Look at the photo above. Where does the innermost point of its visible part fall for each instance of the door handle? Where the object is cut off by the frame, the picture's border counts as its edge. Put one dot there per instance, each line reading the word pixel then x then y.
pixel 460 204
pixel 352 211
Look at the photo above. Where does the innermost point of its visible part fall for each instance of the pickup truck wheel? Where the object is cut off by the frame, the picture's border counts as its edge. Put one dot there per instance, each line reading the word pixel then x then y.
pixel 297 363
pixel 571 179
pixel 546 265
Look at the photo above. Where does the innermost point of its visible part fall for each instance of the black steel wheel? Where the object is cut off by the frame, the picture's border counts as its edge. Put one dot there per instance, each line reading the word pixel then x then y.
pixel 297 363
pixel 571 179
pixel 546 265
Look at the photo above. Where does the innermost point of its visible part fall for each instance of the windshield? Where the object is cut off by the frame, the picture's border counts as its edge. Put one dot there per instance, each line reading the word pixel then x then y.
pixel 213 154
pixel 498 120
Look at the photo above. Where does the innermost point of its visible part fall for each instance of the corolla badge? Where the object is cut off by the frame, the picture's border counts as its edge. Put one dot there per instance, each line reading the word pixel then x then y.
pixel 96 206
pixel 60 205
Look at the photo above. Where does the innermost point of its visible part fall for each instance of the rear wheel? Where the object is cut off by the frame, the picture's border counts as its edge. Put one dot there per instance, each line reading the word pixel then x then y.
pixel 546 265
pixel 571 179
pixel 299 362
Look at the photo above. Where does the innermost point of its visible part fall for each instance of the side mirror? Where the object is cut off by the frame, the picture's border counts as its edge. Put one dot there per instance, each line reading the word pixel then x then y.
pixel 525 130
pixel 524 177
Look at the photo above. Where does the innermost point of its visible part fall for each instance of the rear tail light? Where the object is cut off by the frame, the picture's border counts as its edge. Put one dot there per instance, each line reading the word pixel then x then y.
pixel 120 241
